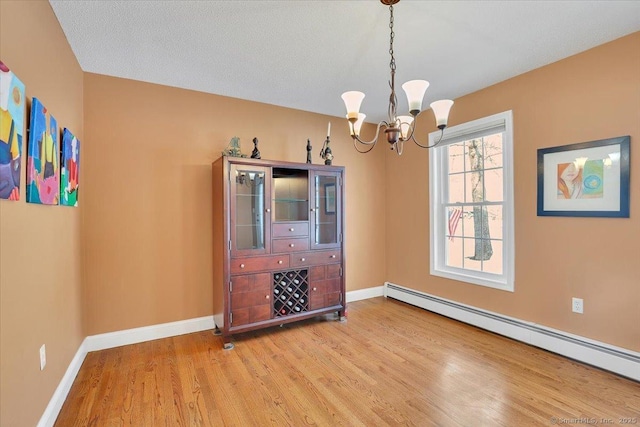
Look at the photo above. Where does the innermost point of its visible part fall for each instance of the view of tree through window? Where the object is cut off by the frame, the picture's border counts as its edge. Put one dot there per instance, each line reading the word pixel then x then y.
pixel 474 205
pixel 471 197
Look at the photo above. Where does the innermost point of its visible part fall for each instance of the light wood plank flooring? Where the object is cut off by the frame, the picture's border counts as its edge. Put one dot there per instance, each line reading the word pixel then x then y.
pixel 389 364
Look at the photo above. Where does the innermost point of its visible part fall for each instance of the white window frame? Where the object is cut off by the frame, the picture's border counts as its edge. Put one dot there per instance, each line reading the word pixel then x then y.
pixel 438 183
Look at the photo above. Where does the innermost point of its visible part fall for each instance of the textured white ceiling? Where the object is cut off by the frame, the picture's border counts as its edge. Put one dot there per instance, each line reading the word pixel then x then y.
pixel 304 54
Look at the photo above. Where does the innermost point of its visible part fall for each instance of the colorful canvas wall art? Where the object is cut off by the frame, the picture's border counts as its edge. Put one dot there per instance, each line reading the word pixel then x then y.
pixel 43 185
pixel 12 103
pixel 69 168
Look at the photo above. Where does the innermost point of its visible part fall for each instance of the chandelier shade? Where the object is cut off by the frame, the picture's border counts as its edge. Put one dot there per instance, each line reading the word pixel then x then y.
pixel 397 129
pixel 415 90
pixel 357 125
pixel 405 125
pixel 352 100
pixel 441 111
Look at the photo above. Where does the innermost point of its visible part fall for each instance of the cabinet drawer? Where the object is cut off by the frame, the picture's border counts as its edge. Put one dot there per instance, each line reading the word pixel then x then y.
pixel 290 245
pixel 316 258
pixel 290 229
pixel 262 263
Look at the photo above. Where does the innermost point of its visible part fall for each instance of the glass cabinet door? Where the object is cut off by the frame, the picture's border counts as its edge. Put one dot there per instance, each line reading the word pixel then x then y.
pixel 250 221
pixel 326 228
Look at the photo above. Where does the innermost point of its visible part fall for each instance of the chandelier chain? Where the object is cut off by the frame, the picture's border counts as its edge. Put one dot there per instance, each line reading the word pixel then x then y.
pixel 393 99
pixel 392 64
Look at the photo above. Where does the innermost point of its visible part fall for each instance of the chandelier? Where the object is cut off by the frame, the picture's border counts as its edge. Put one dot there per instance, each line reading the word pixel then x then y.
pixel 398 128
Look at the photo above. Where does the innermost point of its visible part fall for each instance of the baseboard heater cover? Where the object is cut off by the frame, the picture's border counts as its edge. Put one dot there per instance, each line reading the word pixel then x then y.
pixel 620 361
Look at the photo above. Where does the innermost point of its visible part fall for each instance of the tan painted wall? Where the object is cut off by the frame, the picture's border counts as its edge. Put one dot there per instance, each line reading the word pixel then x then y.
pixel 590 96
pixel 147 195
pixel 40 261
pixel 144 222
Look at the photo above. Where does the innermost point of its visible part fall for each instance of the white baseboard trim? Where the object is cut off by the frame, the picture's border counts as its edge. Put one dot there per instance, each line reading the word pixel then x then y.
pixel 367 293
pixel 148 333
pixel 602 355
pixel 116 339
pixel 52 410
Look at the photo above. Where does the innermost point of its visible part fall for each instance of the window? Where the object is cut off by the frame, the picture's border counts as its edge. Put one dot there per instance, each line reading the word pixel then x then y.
pixel 471 196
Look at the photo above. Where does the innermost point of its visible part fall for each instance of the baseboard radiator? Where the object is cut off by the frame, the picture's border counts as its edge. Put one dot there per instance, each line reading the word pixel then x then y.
pixel 615 359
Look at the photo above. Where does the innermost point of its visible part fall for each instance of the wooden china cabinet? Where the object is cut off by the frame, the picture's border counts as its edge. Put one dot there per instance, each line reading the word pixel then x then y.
pixel 278 243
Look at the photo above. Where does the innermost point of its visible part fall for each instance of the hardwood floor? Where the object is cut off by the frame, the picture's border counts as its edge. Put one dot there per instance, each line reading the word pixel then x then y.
pixel 389 364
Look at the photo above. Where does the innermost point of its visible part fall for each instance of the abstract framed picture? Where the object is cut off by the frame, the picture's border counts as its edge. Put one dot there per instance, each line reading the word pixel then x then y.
pixel 69 169
pixel 330 199
pixel 588 179
pixel 12 102
pixel 43 185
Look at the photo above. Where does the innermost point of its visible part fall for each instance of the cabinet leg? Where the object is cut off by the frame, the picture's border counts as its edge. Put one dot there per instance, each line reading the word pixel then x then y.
pixel 227 344
pixel 342 315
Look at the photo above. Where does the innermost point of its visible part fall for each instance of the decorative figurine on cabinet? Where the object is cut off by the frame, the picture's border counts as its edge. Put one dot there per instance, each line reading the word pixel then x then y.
pixel 233 150
pixel 255 154
pixel 309 151
pixel 325 153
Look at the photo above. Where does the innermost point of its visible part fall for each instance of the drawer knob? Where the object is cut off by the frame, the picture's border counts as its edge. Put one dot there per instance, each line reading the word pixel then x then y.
pixel 313 210
pixel 291 245
pixel 280 261
pixel 292 229
pixel 332 256
pixel 315 289
pixel 267 297
pixel 241 265
pixel 302 259
pixel 268 210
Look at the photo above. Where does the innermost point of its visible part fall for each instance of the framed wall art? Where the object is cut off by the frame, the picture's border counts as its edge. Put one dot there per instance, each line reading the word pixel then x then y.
pixel 588 179
pixel 330 198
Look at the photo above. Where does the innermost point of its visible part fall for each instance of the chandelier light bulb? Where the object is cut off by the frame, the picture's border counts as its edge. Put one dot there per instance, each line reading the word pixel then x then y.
pixel 352 101
pixel 415 90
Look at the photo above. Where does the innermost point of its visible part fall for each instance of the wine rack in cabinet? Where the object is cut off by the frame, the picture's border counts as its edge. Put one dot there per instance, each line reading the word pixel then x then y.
pixel 278 243
pixel 290 292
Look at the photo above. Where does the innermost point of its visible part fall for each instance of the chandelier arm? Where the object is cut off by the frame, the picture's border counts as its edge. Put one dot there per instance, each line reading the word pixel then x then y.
pixel 375 139
pixel 429 146
pixel 355 145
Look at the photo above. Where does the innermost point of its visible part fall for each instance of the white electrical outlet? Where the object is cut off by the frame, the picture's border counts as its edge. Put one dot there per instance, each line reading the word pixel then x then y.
pixel 577 305
pixel 43 357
